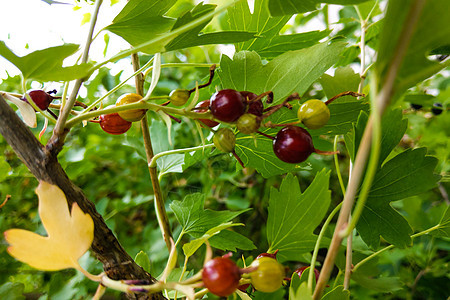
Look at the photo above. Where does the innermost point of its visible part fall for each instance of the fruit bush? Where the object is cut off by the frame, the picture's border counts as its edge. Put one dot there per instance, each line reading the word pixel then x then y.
pixel 306 165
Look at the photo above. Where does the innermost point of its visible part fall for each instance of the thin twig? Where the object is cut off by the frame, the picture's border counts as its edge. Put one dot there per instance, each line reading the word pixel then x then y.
pixel 58 132
pixel 382 101
pixel 6 200
pixel 163 220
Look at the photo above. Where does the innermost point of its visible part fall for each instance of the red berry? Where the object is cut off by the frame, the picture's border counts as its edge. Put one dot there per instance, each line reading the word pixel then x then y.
pixel 227 105
pixel 40 98
pixel 114 124
pixel 254 107
pixel 207 122
pixel 300 270
pixel 293 144
pixel 272 255
pixel 221 276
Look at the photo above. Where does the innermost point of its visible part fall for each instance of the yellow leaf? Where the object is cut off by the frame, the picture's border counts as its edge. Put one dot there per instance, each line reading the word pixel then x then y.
pixel 69 234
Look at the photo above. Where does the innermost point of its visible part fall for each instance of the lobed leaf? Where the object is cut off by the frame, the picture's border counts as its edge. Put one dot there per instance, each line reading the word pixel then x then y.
pixel 405 175
pixel 69 234
pixel 293 215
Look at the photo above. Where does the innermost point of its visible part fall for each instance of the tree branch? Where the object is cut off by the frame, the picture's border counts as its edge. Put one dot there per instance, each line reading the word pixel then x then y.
pixel 45 166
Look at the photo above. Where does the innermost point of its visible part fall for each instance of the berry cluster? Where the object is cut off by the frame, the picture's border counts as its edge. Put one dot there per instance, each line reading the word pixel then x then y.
pixel 436 109
pixel 221 276
pixel 245 111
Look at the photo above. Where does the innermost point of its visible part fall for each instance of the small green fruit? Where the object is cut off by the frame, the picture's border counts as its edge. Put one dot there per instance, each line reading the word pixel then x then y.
pixel 248 123
pixel 269 275
pixel 314 114
pixel 179 97
pixel 224 140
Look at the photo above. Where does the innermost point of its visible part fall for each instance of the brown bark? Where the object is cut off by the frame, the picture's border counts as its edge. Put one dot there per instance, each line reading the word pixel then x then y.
pixel 44 165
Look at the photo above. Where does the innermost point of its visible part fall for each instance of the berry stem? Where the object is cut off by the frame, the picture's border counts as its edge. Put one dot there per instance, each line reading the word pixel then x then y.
pixel 271 110
pixel 325 152
pixel 266 135
pixel 238 159
pixel 211 76
pixel 348 93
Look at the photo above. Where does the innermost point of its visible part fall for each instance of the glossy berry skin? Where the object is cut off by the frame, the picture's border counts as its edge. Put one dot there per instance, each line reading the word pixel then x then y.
pixel 436 109
pixel 255 107
pixel 314 114
pixel 224 140
pixel 41 98
pixel 300 270
pixel 227 105
pixel 114 124
pixel 179 97
pixel 132 115
pixel 293 144
pixel 207 122
pixel 248 123
pixel 271 255
pixel 221 276
pixel 269 275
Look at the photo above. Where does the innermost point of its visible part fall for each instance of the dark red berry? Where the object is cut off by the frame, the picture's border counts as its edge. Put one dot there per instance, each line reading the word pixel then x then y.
pixel 293 144
pixel 207 122
pixel 114 124
pixel 41 98
pixel 300 270
pixel 436 109
pixel 254 107
pixel 416 106
pixel 227 105
pixel 272 255
pixel 221 276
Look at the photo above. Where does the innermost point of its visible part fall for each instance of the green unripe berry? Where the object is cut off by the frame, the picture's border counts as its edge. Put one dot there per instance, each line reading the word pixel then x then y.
pixel 224 140
pixel 179 97
pixel 269 275
pixel 248 123
pixel 314 114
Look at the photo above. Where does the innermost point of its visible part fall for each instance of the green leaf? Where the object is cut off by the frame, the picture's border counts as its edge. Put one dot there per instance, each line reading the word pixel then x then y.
pixel 299 289
pixel 293 215
pixel 279 294
pixel 143 260
pixel 192 38
pixel 290 72
pixel 269 43
pixel 405 175
pixel 141 20
pixel 4 169
pixel 444 225
pixel 289 7
pixel 190 248
pixel 196 221
pixel 381 284
pixel 338 293
pixel 12 291
pixel 344 79
pixel 430 32
pixel 170 163
pixel 46 64
pixel 229 240
pixel 393 127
